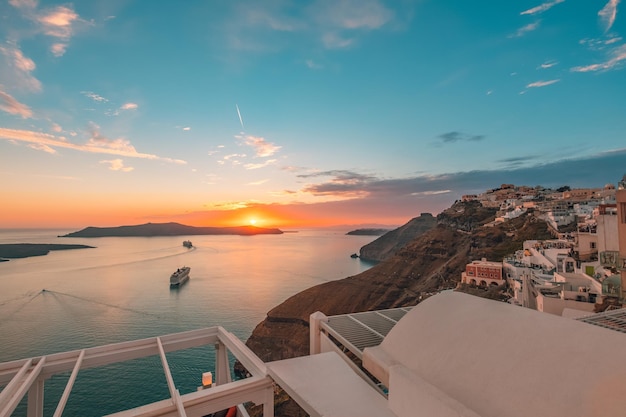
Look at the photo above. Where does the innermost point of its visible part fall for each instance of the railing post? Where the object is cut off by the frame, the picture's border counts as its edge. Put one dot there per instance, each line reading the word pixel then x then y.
pixel 221 364
pixel 268 403
pixel 314 332
pixel 35 399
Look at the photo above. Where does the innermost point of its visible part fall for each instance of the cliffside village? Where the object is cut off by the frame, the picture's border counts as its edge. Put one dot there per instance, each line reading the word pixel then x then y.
pixel 582 270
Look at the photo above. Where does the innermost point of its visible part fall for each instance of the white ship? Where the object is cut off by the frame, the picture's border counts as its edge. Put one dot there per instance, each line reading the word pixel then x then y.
pixel 180 276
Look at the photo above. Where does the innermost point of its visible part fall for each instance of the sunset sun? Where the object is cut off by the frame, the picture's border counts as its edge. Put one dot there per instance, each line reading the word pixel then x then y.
pixel 252 222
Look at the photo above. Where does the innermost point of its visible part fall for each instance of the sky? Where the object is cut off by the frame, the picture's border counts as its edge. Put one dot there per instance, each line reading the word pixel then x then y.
pixel 301 113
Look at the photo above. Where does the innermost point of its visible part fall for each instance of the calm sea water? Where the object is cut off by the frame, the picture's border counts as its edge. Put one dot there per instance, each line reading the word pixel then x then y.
pixel 119 291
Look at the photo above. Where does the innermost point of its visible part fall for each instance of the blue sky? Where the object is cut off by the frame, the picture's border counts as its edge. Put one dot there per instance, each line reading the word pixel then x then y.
pixel 352 111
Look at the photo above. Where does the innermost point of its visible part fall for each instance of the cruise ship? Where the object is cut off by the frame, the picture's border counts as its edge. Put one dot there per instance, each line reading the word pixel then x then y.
pixel 180 276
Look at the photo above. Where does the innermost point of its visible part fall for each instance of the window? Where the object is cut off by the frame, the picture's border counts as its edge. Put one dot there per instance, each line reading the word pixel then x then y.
pixel 592 245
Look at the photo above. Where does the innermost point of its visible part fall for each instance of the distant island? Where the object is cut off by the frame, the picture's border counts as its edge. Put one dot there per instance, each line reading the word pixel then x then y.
pixel 169 229
pixel 25 250
pixel 368 232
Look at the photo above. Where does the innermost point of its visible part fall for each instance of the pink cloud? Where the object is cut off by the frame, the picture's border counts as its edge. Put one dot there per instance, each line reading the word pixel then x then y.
pixel 12 106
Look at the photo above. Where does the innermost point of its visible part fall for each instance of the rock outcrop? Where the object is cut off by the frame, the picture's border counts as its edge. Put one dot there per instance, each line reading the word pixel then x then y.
pixel 429 263
pixel 391 242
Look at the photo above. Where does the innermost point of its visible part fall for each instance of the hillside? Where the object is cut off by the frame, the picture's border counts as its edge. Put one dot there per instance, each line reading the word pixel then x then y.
pixel 431 262
pixel 391 242
pixel 169 229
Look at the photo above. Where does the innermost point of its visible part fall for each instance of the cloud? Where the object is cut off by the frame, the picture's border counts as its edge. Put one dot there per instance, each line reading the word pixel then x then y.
pixel 312 64
pixel 547 64
pixel 129 106
pixel 262 165
pixel 186 129
pixel 426 193
pixel 344 184
pixel 608 13
pixel 19 69
pixel 260 182
pixel 542 7
pixel 352 14
pixel 23 4
pixel 94 96
pixel 525 29
pixel 42 147
pixel 58 49
pixel 262 147
pixel 335 41
pixel 366 189
pixel 12 106
pixel 451 137
pixel 616 56
pixel 96 144
pixel 117 165
pixel 57 22
pixel 538 84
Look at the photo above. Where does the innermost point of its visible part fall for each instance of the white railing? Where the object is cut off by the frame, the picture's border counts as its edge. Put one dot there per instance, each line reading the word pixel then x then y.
pixel 27 376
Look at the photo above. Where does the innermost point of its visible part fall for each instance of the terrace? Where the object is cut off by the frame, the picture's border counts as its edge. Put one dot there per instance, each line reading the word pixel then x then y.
pixel 452 355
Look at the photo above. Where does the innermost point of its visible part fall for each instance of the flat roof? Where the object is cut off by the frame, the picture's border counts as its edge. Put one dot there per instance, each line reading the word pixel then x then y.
pixel 358 331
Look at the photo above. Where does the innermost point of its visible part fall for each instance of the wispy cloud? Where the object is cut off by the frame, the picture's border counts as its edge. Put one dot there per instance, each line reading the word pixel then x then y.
pixel 336 41
pixel 58 49
pixel 547 64
pixel 343 183
pixel 608 14
pixel 57 22
pixel 260 182
pixel 352 14
pixel 19 70
pixel 95 97
pixel 525 29
pixel 23 4
pixel 538 84
pixel 616 56
pixel 427 193
pixel 96 144
pixel 186 128
pixel 129 106
pixel 451 137
pixel 262 147
pixel 312 64
pixel 117 165
pixel 542 7
pixel 261 165
pixel 12 106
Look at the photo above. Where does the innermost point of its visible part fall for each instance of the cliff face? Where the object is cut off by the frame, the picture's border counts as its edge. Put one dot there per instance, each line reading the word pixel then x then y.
pixel 391 242
pixel 430 262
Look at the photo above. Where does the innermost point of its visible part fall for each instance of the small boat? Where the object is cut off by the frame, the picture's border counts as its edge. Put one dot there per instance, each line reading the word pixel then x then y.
pixel 180 276
pixel 187 244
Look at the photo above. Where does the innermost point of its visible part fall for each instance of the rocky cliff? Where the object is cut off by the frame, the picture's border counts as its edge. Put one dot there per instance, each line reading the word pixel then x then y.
pixel 391 242
pixel 429 263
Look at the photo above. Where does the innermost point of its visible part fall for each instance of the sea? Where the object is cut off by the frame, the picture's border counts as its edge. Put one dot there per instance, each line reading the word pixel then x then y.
pixel 119 291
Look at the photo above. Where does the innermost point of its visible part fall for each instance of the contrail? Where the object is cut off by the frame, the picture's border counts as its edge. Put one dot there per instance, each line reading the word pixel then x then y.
pixel 239 114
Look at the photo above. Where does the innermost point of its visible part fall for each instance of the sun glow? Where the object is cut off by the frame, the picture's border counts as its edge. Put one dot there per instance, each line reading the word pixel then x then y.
pixel 253 222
